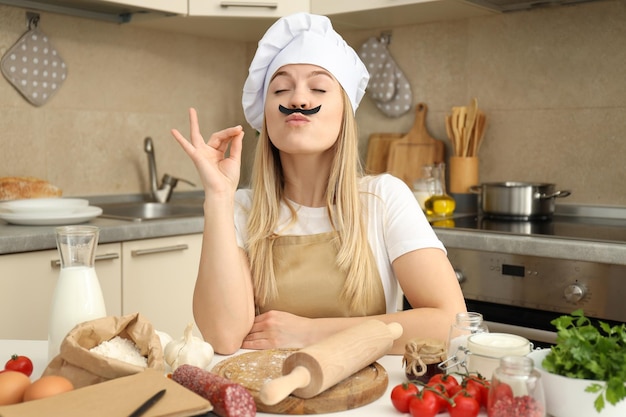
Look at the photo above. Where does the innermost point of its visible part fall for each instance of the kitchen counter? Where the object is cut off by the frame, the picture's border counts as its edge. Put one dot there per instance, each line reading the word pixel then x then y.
pixel 553 247
pixel 14 239
pixel 382 407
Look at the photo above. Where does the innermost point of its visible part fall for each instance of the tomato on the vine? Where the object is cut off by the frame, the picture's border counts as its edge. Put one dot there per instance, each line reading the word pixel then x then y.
pixel 19 363
pixel 447 380
pixel 441 395
pixel 474 383
pixel 444 385
pixel 463 404
pixel 424 404
pixel 402 394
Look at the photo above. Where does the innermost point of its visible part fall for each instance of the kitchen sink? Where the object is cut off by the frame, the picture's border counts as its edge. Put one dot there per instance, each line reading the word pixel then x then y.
pixel 143 210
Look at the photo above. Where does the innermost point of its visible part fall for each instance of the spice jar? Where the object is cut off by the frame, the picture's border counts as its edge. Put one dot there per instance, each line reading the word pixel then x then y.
pixel 516 389
pixel 422 358
pixel 466 324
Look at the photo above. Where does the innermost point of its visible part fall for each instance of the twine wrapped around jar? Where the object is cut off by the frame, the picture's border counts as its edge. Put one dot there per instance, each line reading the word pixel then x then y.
pixel 422 357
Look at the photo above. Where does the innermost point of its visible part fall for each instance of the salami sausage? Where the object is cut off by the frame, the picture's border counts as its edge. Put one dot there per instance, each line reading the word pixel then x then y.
pixel 229 399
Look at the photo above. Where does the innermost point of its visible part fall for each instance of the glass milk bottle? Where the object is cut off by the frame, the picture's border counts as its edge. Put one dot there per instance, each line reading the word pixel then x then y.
pixel 77 296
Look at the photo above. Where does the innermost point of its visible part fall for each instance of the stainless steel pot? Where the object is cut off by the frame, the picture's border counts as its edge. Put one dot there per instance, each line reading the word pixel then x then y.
pixel 518 200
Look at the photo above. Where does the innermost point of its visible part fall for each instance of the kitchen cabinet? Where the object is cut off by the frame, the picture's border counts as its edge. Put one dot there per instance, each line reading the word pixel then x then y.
pixel 154 277
pixel 170 6
pixel 248 23
pixel 158 280
pixel 247 8
pixel 27 282
pixel 247 20
pixel 370 14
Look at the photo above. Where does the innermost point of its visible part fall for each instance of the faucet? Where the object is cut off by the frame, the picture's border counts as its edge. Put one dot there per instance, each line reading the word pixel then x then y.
pixel 163 192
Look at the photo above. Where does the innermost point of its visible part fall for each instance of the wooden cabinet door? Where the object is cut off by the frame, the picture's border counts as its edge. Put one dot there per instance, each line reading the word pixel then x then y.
pixel 27 282
pixel 247 8
pixel 170 6
pixel 159 276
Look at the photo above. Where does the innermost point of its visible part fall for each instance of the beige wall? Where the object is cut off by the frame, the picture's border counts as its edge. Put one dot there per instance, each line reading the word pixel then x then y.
pixel 123 84
pixel 551 82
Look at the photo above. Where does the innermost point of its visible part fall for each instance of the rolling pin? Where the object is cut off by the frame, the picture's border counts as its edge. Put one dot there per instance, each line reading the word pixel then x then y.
pixel 312 370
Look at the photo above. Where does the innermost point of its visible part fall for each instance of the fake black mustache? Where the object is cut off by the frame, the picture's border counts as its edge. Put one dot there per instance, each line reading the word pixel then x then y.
pixel 309 112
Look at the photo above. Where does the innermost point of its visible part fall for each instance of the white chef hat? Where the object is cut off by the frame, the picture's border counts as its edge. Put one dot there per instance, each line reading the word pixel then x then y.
pixel 301 38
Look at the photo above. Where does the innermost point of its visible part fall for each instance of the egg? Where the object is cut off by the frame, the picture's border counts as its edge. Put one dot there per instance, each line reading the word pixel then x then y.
pixel 13 385
pixel 47 386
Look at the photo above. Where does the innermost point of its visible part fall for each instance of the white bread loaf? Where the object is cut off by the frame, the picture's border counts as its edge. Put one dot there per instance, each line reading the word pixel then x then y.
pixel 15 188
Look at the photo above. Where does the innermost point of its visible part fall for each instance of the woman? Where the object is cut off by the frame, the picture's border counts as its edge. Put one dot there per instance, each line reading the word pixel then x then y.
pixel 314 247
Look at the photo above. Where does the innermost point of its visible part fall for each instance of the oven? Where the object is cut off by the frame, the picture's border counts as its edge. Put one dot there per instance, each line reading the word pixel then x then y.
pixel 521 294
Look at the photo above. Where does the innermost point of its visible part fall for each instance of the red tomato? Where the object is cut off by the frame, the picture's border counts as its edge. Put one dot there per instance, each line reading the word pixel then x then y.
pixel 463 405
pixel 448 381
pixel 473 391
pixel 402 394
pixel 19 363
pixel 424 404
pixel 444 384
pixel 477 383
pixel 441 394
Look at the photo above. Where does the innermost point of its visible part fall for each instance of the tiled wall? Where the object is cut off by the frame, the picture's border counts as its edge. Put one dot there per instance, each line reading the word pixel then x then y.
pixel 551 82
pixel 123 84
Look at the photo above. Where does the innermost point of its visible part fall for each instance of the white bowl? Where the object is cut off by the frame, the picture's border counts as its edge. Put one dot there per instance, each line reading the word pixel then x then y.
pixel 47 206
pixel 566 397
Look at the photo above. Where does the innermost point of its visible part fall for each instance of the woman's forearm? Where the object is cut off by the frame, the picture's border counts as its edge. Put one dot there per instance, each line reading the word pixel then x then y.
pixel 223 302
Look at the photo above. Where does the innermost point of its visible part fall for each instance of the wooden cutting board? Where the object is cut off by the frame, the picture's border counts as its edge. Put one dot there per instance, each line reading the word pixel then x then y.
pixel 117 397
pixel 378 151
pixel 417 148
pixel 254 368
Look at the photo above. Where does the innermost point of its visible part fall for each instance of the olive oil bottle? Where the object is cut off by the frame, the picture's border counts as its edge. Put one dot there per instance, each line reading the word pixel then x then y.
pixel 440 204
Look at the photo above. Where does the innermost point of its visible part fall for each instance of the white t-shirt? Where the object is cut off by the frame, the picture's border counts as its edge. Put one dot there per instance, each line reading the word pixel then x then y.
pixel 396 225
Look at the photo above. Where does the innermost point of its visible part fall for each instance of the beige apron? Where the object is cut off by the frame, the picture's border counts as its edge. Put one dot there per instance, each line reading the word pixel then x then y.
pixel 308 280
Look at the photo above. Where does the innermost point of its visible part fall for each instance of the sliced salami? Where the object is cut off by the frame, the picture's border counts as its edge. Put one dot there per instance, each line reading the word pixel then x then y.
pixel 229 399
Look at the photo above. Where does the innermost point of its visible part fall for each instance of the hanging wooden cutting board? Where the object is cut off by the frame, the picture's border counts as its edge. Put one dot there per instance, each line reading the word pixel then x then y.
pixel 378 151
pixel 414 150
pixel 254 368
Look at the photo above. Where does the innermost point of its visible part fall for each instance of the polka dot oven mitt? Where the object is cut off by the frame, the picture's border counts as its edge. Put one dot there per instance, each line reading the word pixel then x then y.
pixel 34 67
pixel 388 86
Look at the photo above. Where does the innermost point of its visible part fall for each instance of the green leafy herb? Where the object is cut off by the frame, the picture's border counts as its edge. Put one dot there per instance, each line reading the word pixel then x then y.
pixel 585 351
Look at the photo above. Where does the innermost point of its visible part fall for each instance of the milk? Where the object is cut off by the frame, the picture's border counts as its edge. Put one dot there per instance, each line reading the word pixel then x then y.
pixel 77 298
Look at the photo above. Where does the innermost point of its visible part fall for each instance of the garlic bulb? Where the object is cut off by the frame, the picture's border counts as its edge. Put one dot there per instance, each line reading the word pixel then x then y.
pixel 189 350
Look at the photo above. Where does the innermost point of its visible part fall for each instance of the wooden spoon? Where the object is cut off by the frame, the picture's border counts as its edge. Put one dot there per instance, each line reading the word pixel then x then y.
pixel 460 125
pixel 469 126
pixel 455 130
pixel 450 133
pixel 481 123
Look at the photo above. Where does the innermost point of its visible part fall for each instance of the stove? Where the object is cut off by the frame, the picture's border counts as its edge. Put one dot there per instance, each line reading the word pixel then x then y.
pixel 560 226
pixel 521 294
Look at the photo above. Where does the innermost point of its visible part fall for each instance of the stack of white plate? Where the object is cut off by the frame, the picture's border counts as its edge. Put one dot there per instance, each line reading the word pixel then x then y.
pixel 48 211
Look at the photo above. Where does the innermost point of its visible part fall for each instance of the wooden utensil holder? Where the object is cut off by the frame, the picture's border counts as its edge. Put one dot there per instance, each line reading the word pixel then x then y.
pixel 463 173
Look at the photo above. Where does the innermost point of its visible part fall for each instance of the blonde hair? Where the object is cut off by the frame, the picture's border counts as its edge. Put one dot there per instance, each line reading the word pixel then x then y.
pixel 345 210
